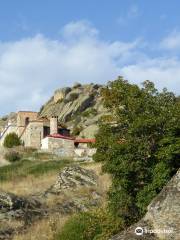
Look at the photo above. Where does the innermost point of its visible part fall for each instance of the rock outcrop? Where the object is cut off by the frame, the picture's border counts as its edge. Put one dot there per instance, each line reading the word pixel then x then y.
pixel 72 178
pixel 79 107
pixel 17 213
pixel 162 220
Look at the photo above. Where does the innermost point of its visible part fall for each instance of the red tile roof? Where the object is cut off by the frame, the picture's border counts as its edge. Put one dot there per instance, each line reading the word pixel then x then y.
pixel 76 140
pixel 85 140
pixel 61 136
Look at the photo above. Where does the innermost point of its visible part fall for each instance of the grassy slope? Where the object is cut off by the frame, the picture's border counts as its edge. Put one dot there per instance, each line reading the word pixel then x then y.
pixel 35 173
pixel 24 168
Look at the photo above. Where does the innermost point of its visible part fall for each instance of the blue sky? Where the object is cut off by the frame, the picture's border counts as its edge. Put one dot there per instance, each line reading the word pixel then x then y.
pixel 116 19
pixel 48 44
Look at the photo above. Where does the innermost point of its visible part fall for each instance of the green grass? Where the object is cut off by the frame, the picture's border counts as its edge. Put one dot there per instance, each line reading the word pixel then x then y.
pixel 97 224
pixel 80 227
pixel 24 168
pixel 34 154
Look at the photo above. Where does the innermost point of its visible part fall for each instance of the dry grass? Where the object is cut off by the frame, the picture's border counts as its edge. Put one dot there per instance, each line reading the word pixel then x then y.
pixel 104 179
pixel 29 185
pixel 44 229
pixel 11 224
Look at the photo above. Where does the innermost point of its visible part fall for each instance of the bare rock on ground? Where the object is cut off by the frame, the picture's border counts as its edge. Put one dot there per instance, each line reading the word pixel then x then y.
pixel 73 177
pixel 162 217
pixel 24 211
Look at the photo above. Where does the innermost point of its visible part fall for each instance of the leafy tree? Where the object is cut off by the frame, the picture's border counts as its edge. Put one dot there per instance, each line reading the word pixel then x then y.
pixel 139 144
pixel 12 140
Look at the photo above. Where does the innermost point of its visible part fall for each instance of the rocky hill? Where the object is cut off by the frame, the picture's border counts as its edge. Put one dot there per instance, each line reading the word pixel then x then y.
pixel 78 107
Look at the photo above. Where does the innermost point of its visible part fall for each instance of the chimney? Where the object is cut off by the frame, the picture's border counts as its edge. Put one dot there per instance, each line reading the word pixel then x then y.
pixel 54 125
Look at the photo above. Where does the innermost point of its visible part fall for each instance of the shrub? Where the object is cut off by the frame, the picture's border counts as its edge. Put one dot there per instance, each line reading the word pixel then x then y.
pixel 88 112
pixel 83 226
pixel 5 118
pixel 76 131
pixel 97 224
pixel 73 96
pixel 12 156
pixel 12 140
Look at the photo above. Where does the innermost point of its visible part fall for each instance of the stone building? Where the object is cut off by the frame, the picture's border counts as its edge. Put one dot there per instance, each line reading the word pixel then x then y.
pixel 31 129
pixel 59 144
pixel 47 135
pixel 23 119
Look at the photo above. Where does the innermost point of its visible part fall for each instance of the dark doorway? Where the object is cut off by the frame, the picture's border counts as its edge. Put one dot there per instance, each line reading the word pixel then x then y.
pixel 26 121
pixel 46 131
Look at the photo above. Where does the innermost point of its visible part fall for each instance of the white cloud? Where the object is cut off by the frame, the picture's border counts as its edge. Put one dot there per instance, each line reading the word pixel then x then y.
pixel 164 72
pixel 172 41
pixel 79 29
pixel 32 68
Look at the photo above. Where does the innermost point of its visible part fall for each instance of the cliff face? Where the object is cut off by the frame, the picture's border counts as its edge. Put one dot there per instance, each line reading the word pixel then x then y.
pixel 162 217
pixel 79 108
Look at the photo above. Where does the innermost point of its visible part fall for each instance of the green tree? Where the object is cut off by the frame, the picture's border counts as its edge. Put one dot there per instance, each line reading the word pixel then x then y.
pixel 139 144
pixel 12 140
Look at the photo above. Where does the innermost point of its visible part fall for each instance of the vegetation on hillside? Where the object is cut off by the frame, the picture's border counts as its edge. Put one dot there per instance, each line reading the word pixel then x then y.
pixel 24 168
pixel 12 156
pixel 96 224
pixel 12 140
pixel 139 144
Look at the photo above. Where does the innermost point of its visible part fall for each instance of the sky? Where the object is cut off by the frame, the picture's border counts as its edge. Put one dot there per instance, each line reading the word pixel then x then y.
pixel 49 44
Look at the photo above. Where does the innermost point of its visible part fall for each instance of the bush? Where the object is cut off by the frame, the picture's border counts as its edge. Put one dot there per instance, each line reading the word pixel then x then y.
pixel 97 224
pixel 83 226
pixel 88 112
pixel 73 96
pixel 5 118
pixel 76 131
pixel 12 156
pixel 12 140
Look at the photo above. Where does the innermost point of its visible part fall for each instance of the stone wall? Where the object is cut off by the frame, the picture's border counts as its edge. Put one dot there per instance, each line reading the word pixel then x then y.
pixel 33 134
pixel 63 147
pixel 21 120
